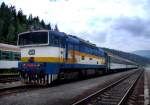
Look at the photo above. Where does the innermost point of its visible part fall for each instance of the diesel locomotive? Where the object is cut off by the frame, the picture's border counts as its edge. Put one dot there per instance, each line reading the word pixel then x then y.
pixel 48 55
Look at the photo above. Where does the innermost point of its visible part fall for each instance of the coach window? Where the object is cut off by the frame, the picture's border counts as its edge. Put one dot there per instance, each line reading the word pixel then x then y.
pixel 11 55
pixel 5 55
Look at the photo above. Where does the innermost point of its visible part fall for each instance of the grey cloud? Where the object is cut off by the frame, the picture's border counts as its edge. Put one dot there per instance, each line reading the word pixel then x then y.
pixel 124 33
pixel 134 26
pixel 99 37
pixel 96 37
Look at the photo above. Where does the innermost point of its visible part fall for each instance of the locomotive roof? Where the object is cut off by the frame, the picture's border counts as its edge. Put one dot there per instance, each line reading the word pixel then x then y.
pixel 101 51
pixel 83 41
pixel 8 47
pixel 61 34
pixel 71 38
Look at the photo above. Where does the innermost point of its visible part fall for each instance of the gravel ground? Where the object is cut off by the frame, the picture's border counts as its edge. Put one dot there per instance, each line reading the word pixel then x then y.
pixel 60 95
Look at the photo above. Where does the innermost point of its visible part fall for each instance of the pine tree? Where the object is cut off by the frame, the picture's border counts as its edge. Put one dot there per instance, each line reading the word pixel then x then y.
pixel 10 35
pixel 56 28
pixel 43 24
pixel 13 22
pixel 49 26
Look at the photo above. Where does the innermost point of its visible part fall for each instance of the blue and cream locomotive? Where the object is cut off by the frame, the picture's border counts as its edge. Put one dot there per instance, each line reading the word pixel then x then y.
pixel 50 55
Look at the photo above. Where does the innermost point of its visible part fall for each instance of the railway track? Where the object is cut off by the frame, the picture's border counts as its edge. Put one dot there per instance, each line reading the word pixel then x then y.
pixel 19 89
pixel 13 79
pixel 9 78
pixel 114 94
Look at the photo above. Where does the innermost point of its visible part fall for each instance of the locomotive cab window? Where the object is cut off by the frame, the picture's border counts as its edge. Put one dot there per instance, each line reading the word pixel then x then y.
pixel 33 38
pixel 56 40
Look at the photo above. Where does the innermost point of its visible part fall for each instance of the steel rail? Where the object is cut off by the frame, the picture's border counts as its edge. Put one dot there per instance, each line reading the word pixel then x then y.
pixel 125 97
pixel 86 99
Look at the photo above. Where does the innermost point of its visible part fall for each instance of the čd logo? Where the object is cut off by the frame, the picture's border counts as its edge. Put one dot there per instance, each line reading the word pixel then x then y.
pixel 31 52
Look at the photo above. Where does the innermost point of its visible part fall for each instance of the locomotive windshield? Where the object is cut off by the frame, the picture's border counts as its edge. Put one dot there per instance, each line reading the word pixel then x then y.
pixel 33 38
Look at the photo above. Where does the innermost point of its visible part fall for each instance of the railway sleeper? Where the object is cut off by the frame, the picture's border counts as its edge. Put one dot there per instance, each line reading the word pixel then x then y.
pixel 107 103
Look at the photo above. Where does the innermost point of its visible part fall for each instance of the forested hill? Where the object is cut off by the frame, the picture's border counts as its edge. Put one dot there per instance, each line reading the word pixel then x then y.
pixel 144 53
pixel 133 57
pixel 13 22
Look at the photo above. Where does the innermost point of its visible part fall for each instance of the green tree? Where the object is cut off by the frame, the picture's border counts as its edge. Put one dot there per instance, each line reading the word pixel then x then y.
pixel 43 24
pixel 10 35
pixel 56 28
pixel 13 22
pixel 49 27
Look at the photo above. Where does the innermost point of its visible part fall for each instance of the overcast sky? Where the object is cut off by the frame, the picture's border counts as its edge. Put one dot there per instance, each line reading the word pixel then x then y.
pixel 117 24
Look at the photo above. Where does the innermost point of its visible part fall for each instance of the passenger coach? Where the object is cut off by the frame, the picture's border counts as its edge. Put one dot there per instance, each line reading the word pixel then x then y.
pixel 9 57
